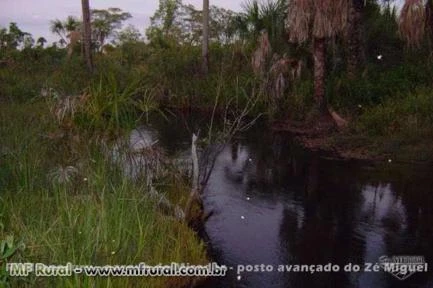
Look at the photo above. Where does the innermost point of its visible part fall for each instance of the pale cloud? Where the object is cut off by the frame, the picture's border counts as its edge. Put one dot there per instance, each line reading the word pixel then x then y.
pixel 34 16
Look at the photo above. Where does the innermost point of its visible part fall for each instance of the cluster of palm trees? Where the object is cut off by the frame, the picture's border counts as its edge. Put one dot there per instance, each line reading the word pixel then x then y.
pixel 318 21
pixel 71 31
pixel 103 22
pixel 64 28
pixel 306 21
pixel 248 25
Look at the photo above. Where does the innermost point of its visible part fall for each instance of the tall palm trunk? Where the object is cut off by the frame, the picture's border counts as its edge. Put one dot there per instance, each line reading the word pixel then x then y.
pixel 205 44
pixel 354 37
pixel 87 34
pixel 429 20
pixel 319 55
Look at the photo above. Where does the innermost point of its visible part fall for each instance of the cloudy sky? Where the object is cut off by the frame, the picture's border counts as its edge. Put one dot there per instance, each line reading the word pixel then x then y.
pixel 34 15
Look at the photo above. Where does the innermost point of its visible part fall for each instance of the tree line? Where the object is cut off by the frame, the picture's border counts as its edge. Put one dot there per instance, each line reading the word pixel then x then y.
pixel 290 25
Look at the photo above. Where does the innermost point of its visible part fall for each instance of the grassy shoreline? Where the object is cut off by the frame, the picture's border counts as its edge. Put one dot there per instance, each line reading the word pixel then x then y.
pixel 388 108
pixel 62 201
pixel 348 146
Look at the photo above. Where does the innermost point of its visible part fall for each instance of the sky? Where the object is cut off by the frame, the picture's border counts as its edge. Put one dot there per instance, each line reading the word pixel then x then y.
pixel 34 16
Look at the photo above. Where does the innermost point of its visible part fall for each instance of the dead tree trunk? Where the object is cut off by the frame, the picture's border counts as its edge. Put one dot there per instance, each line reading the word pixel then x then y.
pixel 87 34
pixel 205 44
pixel 429 20
pixel 319 55
pixel 324 122
pixel 355 43
pixel 194 210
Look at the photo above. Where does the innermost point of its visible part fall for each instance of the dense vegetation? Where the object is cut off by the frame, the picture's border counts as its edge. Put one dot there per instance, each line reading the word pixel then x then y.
pixel 55 113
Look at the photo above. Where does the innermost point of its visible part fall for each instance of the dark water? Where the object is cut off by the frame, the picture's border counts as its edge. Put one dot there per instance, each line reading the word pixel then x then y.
pixel 274 203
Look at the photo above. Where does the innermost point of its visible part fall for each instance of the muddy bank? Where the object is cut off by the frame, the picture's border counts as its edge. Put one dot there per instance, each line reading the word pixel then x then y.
pixel 345 145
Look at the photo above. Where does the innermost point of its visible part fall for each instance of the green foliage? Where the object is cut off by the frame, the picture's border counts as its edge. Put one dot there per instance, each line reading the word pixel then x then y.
pixel 148 103
pixel 134 79
pixel 108 104
pixel 381 34
pixel 172 77
pixel 41 42
pixel 13 38
pixel 128 35
pixel 299 102
pixel 8 248
pixel 263 16
pixel 105 23
pixel 63 28
pixel 379 84
pixel 408 114
pixel 176 23
pixel 100 217
pixel 164 16
pixel 75 198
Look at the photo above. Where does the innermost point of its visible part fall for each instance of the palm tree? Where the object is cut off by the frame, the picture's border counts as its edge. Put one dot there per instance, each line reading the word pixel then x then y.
pixel 87 34
pixel 65 28
pixel 354 37
pixel 71 24
pixel 205 44
pixel 272 15
pixel 259 17
pixel 57 27
pixel 41 42
pixel 253 19
pixel 317 21
pixel 63 43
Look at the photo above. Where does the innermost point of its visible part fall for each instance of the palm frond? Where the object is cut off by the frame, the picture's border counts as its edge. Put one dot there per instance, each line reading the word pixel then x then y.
pixel 320 19
pixel 298 24
pixel 56 26
pixel 63 175
pixel 412 22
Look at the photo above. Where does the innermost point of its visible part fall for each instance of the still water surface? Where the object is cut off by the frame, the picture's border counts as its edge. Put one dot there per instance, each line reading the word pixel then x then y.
pixel 274 203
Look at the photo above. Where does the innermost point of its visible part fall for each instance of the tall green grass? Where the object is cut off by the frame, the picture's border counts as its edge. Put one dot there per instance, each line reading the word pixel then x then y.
pixel 87 215
pixel 108 105
pixel 408 113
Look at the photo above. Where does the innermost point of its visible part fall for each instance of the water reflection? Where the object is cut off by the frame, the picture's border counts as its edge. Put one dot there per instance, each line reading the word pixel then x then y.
pixel 274 203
